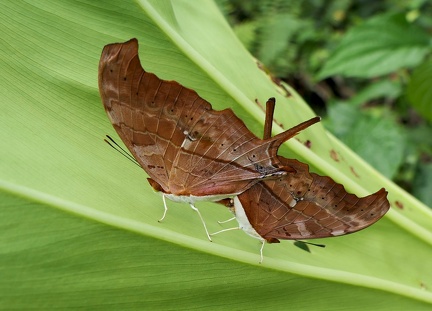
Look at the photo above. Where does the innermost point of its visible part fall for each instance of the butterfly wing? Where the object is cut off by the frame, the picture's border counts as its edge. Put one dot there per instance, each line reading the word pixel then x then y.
pixel 185 146
pixel 171 131
pixel 304 205
pixel 134 112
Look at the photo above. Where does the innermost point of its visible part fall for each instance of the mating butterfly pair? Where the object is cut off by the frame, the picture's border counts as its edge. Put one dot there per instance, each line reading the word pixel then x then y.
pixel 193 153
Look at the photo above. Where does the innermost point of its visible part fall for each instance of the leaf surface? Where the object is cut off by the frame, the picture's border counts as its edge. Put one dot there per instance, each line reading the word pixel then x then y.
pixel 377 47
pixel 79 223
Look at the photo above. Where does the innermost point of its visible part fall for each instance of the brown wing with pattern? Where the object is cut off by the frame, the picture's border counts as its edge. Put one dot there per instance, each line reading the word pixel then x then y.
pixel 304 205
pixel 184 145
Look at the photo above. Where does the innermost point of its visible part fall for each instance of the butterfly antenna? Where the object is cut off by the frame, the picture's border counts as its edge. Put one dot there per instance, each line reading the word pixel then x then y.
pixel 304 245
pixel 121 150
pixel 314 244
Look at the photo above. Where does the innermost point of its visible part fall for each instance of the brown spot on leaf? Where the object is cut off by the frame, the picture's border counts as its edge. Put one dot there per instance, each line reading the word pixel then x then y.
pixel 354 172
pixel 399 204
pixel 274 79
pixel 334 155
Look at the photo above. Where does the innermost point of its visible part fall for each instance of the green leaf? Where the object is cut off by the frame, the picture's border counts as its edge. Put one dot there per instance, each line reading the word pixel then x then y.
pixel 419 91
pixel 377 47
pixel 79 223
pixel 378 89
pixel 423 182
pixel 246 33
pixel 373 137
pixel 275 33
pixel 341 118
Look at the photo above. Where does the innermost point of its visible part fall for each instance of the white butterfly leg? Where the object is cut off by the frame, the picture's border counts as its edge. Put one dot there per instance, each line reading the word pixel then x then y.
pixel 238 228
pixel 225 221
pixel 202 220
pixel 165 208
pixel 225 230
pixel 261 251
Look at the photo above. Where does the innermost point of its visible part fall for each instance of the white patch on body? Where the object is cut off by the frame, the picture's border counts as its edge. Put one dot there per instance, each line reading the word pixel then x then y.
pixel 243 221
pixel 191 199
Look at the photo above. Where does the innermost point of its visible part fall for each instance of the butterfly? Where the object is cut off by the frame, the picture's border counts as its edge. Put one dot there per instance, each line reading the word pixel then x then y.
pixel 190 151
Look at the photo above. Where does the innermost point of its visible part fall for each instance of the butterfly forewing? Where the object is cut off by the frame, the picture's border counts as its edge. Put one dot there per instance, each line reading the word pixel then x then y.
pixel 185 146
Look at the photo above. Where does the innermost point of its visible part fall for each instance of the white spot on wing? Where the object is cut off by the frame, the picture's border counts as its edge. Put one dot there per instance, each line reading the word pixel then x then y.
pixel 185 139
pixel 337 232
pixel 301 227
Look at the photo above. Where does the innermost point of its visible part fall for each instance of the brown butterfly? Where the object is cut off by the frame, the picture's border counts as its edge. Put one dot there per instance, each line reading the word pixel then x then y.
pixel 191 152
pixel 302 205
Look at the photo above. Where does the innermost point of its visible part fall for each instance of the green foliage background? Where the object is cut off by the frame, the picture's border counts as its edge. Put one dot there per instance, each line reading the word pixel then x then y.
pixel 79 224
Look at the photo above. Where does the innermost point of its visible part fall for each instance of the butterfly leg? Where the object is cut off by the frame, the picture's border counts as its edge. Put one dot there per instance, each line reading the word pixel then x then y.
pixel 165 208
pixel 261 251
pixel 225 221
pixel 202 220
pixel 225 230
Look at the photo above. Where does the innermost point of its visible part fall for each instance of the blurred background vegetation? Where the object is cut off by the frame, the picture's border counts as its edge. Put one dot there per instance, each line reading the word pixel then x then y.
pixel 365 66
